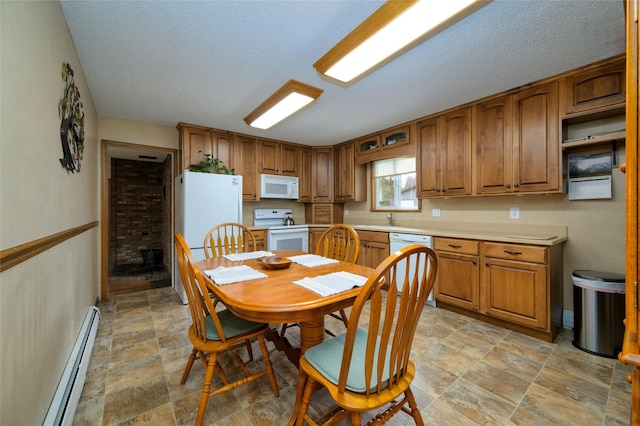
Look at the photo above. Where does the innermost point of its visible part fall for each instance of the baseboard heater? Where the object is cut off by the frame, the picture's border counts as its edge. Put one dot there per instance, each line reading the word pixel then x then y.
pixel 65 401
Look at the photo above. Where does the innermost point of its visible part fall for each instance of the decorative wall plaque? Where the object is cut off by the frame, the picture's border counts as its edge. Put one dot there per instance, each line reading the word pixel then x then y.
pixel 72 124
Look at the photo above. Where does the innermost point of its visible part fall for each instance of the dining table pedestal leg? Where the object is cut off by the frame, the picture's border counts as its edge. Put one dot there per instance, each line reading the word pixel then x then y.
pixel 311 333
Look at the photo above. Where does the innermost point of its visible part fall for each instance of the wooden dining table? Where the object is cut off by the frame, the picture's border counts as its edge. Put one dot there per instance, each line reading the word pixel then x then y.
pixel 276 299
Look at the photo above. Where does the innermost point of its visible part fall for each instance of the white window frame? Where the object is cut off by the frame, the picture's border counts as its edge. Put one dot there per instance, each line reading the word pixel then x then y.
pixel 397 202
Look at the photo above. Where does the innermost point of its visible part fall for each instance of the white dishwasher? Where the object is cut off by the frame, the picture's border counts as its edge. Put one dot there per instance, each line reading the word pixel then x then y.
pixel 398 241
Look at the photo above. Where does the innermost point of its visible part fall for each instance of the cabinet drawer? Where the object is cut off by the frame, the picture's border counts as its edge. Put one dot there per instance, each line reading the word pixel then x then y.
pixel 535 254
pixel 373 236
pixel 453 245
pixel 259 234
pixel 261 238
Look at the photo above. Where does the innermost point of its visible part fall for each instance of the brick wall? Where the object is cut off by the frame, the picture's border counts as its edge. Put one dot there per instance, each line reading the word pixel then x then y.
pixel 137 210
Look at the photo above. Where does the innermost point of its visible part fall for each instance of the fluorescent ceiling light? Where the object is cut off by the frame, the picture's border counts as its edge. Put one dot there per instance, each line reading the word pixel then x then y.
pixel 290 98
pixel 391 28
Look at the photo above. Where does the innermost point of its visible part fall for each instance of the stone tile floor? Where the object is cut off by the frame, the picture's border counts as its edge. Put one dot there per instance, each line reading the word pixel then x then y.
pixel 469 373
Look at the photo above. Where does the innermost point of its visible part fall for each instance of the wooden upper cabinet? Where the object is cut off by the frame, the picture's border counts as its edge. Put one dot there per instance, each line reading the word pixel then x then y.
pixel 600 87
pixel 444 155
pixel 195 141
pixel 427 160
pixel 517 144
pixel 395 142
pixel 322 174
pixel 398 141
pixel 349 179
pixel 367 149
pixel 493 146
pixel 536 140
pixel 455 155
pixel 247 166
pixel 305 178
pixel 277 158
pixel 224 148
pixel 269 157
pixel 289 159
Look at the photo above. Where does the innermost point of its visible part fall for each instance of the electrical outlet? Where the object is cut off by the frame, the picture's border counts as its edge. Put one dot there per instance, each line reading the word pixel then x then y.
pixel 346 212
pixel 435 212
pixel 514 212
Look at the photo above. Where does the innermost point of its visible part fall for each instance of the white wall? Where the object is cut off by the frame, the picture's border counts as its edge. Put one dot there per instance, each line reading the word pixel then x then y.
pixel 44 299
pixel 136 132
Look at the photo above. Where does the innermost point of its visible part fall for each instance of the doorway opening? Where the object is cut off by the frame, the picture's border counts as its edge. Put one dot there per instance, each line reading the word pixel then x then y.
pixel 137 195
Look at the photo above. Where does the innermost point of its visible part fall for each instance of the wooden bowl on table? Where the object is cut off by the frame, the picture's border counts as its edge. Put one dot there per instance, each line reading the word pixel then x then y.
pixel 275 262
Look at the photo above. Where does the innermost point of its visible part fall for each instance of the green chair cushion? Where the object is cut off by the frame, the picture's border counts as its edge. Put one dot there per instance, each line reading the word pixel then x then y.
pixel 327 359
pixel 231 325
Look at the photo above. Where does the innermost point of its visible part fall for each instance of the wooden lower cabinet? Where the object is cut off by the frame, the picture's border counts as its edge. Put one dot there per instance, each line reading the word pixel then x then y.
pixel 374 248
pixel 517 286
pixel 314 236
pixel 261 238
pixel 516 291
pixel 458 277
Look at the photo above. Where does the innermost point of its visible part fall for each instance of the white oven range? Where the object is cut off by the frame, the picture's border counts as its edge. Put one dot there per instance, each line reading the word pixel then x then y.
pixel 279 235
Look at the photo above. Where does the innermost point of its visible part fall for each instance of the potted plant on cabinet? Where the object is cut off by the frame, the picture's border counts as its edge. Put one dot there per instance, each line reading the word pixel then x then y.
pixel 209 164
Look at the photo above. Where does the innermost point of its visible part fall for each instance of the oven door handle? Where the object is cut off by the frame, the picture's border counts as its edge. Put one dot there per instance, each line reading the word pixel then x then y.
pixel 287 231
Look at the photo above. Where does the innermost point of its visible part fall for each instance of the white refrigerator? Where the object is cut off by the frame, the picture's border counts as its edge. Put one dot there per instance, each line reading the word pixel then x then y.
pixel 203 200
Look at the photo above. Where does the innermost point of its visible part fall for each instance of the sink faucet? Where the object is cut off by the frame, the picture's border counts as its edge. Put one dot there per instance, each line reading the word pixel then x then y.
pixel 390 219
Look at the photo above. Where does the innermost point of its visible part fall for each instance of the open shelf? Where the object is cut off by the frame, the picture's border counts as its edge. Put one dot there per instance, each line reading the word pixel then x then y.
pixel 595 140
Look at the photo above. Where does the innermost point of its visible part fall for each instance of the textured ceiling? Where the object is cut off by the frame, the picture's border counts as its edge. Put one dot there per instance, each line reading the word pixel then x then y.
pixel 213 62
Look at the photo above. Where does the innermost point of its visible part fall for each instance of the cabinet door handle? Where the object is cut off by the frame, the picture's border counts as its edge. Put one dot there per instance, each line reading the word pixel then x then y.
pixel 515 185
pixel 486 264
pixel 513 252
pixel 473 262
pixel 508 186
pixel 454 246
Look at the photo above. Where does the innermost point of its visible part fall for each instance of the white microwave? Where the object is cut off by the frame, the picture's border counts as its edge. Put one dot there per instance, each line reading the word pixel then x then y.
pixel 275 186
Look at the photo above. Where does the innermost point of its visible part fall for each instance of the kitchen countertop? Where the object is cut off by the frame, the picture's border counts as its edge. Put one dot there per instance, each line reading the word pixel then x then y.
pixel 508 233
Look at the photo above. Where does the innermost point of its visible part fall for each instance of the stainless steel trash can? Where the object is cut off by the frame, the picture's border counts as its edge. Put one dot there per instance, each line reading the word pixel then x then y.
pixel 598 312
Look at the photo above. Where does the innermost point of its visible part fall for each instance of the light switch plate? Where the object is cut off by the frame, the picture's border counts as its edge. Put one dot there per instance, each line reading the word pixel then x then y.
pixel 435 212
pixel 514 212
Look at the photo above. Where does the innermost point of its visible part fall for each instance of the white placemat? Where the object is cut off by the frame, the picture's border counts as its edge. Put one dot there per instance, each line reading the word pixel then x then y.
pixel 234 274
pixel 312 260
pixel 336 282
pixel 235 257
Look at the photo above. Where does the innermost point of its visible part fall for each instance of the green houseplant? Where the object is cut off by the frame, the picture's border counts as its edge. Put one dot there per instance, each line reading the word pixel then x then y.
pixel 209 164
